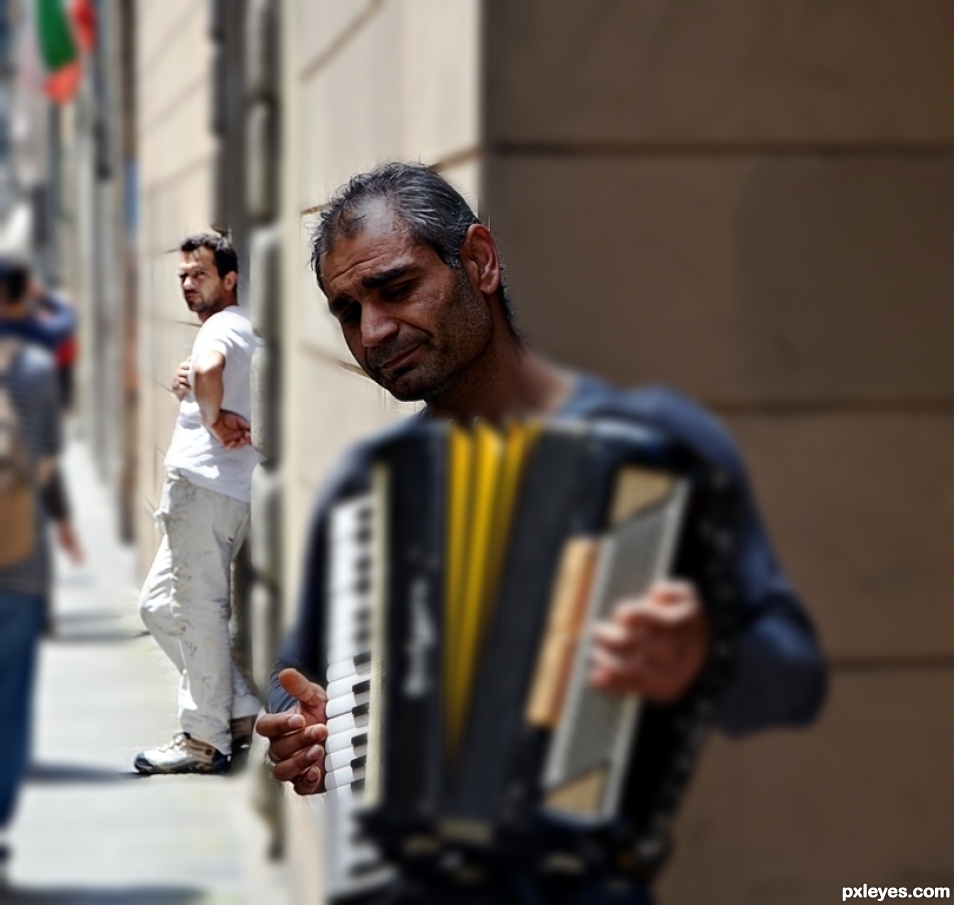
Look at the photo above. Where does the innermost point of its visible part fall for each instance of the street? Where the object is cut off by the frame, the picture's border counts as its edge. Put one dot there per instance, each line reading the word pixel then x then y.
pixel 88 828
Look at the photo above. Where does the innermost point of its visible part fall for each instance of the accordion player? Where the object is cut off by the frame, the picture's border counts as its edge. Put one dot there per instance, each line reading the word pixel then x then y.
pixel 476 558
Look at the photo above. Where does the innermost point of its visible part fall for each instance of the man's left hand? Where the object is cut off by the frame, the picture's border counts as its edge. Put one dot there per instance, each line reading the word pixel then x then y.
pixel 653 646
pixel 231 430
pixel 180 379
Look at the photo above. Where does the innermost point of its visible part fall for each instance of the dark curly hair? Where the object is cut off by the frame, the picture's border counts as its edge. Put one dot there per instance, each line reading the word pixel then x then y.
pixel 226 258
pixel 14 280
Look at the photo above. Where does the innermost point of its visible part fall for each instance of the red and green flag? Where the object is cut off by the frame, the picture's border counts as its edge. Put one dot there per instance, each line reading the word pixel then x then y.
pixel 61 35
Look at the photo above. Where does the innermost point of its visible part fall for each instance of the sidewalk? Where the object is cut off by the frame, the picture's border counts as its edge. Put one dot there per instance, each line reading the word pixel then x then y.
pixel 88 828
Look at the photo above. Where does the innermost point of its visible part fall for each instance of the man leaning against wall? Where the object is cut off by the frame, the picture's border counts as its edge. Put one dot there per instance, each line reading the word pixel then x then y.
pixel 204 517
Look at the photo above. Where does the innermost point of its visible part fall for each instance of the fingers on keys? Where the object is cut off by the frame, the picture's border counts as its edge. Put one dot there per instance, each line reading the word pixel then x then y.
pixel 285 746
pixel 304 765
pixel 308 784
pixel 274 725
pixel 296 749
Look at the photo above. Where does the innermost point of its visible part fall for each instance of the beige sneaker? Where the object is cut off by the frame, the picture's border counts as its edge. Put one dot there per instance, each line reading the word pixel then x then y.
pixel 182 755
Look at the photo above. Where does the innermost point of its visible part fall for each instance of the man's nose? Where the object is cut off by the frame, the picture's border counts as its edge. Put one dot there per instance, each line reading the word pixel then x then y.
pixel 377 326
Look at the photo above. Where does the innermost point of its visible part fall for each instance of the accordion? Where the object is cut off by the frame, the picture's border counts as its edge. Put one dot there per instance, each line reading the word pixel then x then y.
pixel 464 584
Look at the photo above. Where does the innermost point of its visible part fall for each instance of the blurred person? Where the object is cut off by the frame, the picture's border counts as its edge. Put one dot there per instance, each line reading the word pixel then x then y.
pixel 54 322
pixel 67 353
pixel 415 282
pixel 204 516
pixel 51 322
pixel 45 318
pixel 55 319
pixel 29 444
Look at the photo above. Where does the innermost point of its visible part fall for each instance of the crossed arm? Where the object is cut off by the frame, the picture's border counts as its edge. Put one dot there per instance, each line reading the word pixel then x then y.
pixel 229 428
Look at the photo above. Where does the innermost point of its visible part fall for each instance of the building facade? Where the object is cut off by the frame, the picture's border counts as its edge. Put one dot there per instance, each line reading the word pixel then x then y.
pixel 748 202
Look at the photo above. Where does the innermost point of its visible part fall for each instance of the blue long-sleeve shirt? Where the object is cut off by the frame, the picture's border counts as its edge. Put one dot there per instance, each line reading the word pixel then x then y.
pixel 53 323
pixel 779 676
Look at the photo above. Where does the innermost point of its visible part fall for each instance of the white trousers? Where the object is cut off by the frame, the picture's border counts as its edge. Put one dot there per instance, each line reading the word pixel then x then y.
pixel 185 604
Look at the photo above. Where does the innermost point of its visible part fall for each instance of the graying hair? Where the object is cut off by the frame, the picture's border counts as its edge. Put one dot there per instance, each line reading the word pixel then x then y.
pixel 431 210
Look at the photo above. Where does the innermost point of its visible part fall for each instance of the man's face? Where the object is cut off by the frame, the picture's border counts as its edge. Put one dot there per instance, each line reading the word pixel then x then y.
pixel 414 324
pixel 203 289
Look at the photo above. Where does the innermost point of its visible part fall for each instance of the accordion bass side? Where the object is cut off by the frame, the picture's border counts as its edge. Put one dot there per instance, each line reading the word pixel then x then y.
pixel 463 589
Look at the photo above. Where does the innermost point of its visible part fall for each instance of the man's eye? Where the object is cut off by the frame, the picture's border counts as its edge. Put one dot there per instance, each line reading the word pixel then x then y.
pixel 349 315
pixel 395 292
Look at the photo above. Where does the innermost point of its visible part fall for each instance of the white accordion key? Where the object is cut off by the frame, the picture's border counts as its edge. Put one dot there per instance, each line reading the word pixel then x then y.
pixel 351 608
pixel 357 632
pixel 348 701
pixel 351 571
pixel 347 757
pixel 339 796
pixel 350 685
pixel 343 776
pixel 352 863
pixel 351 519
pixel 347 650
pixel 341 741
pixel 357 666
pixel 346 721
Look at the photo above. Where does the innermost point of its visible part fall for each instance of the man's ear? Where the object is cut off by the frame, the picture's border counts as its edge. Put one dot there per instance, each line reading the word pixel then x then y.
pixel 479 258
pixel 230 281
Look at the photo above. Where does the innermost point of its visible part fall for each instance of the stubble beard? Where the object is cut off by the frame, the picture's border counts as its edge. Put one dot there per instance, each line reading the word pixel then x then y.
pixel 205 306
pixel 467 335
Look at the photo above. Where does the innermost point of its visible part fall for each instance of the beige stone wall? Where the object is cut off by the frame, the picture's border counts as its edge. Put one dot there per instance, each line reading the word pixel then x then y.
pixel 748 201
pixel 366 82
pixel 173 56
pixel 751 202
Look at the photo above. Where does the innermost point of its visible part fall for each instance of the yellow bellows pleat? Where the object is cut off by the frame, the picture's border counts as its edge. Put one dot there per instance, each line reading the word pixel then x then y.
pixel 487 464
pixel 459 486
pixel 485 470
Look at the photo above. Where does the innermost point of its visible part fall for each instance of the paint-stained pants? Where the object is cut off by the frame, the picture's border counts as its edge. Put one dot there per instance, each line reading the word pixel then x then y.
pixel 185 605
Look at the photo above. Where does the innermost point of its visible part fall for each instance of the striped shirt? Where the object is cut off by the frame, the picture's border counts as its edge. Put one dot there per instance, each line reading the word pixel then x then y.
pixel 34 391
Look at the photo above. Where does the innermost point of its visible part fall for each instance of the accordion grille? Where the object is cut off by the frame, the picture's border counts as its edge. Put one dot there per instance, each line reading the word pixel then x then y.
pixel 593 740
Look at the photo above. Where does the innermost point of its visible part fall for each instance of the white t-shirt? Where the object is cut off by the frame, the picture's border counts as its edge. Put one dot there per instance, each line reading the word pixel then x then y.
pixel 194 451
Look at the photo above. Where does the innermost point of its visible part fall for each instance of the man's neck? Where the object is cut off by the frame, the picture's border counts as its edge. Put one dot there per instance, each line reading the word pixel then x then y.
pixel 514 383
pixel 204 316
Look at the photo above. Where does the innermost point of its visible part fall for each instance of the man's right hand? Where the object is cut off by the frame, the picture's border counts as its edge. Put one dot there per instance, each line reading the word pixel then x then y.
pixel 231 430
pixel 296 737
pixel 180 380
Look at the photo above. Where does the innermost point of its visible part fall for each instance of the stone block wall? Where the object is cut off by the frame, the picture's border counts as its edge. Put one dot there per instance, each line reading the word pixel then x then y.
pixel 751 202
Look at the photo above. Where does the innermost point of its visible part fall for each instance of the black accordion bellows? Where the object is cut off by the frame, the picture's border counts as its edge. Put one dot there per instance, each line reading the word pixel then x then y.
pixel 463 589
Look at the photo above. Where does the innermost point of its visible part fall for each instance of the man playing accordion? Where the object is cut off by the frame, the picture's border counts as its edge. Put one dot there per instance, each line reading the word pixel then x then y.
pixel 414 280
